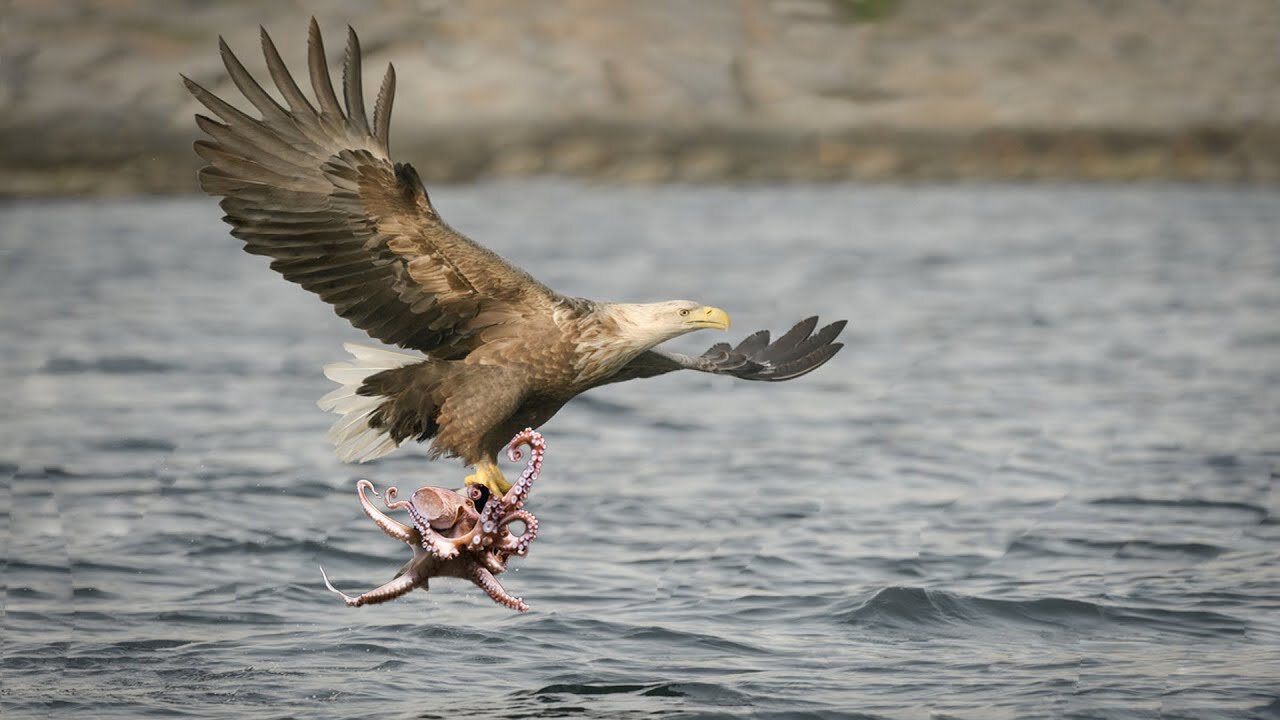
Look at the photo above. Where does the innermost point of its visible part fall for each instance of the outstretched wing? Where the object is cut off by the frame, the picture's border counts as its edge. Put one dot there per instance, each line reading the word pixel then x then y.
pixel 799 351
pixel 315 189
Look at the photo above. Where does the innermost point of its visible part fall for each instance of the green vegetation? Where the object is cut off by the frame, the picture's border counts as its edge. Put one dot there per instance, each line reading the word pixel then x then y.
pixel 869 10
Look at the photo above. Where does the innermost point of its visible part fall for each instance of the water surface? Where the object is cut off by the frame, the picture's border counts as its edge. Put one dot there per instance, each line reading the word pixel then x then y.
pixel 1039 481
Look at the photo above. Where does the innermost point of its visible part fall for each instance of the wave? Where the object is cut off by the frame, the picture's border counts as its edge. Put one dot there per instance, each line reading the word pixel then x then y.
pixel 107 365
pixel 912 610
pixel 135 444
pixel 1190 503
pixel 1041 547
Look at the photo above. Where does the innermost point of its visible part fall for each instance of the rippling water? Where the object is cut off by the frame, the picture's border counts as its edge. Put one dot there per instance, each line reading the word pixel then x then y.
pixel 1039 481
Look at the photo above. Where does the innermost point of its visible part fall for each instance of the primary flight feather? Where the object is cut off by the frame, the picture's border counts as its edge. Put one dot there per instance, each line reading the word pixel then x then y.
pixel 313 187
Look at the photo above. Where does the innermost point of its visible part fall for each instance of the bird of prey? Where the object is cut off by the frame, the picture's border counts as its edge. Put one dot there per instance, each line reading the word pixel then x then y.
pixel 311 184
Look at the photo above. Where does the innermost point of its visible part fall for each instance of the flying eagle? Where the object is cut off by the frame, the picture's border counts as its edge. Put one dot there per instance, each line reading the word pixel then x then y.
pixel 312 186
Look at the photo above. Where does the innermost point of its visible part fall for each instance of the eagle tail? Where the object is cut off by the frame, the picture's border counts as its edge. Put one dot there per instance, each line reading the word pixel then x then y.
pixel 353 437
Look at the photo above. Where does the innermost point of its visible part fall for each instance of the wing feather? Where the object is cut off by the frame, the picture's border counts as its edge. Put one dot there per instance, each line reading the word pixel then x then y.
pixel 300 108
pixel 252 91
pixel 352 84
pixel 804 346
pixel 321 84
pixel 780 347
pixel 252 139
pixel 382 110
pixel 314 188
pixel 753 343
pixel 798 352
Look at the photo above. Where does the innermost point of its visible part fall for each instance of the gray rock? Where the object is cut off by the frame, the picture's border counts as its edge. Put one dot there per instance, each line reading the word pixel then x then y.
pixel 663 90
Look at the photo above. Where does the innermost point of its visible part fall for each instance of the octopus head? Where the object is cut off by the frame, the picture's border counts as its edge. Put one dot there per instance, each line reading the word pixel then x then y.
pixel 444 511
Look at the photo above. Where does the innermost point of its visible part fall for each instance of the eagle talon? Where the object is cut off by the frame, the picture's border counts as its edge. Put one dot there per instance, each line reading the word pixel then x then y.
pixel 489 476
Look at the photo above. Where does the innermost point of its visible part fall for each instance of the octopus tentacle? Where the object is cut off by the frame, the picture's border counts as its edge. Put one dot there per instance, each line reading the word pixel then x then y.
pixel 514 499
pixel 490 530
pixel 392 492
pixel 386 524
pixel 519 545
pixel 487 582
pixel 437 544
pixel 389 591
pixel 495 562
pixel 432 541
pixel 422 532
pixel 519 491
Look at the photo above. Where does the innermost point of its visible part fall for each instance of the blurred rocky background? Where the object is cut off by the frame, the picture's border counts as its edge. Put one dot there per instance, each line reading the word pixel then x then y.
pixel 676 90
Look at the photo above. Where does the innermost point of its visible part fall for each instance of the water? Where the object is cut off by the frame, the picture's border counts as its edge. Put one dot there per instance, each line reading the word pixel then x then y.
pixel 1039 481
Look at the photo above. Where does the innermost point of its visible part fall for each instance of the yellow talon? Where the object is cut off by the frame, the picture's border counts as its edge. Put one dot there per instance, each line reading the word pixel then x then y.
pixel 490 476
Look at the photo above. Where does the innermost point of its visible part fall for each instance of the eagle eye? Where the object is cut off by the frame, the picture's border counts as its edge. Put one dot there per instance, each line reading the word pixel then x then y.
pixel 684 312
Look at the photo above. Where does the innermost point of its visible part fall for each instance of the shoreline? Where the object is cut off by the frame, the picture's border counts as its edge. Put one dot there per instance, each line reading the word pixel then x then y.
pixel 651 155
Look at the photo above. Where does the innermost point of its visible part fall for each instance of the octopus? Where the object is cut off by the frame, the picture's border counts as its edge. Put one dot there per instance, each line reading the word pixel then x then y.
pixel 456 535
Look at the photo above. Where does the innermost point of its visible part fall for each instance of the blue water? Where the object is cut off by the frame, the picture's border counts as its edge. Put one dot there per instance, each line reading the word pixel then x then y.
pixel 1038 482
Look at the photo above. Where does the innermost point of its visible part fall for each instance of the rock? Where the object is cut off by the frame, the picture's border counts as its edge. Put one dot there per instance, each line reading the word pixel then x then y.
pixel 664 90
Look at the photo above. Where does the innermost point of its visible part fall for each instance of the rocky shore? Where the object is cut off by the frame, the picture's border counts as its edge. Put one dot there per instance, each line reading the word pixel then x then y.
pixel 677 90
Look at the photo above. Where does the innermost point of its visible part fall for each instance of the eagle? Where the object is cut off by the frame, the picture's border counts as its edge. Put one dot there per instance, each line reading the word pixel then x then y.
pixel 311 184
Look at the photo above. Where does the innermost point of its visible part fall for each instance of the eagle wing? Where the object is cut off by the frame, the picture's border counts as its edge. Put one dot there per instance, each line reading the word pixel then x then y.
pixel 315 189
pixel 799 351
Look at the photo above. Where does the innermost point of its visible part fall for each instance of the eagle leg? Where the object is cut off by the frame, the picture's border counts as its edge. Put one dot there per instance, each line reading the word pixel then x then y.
pixel 489 475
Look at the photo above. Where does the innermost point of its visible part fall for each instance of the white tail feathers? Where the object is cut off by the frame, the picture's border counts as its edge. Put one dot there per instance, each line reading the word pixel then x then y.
pixel 352 438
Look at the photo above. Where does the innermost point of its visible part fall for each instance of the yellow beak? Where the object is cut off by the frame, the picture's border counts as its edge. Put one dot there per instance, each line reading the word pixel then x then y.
pixel 709 317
